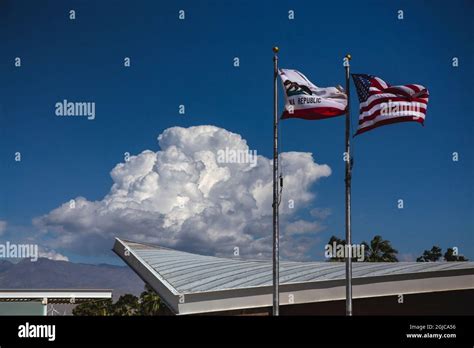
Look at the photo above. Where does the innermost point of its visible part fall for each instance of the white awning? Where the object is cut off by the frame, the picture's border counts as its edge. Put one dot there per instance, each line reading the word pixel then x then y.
pixel 54 295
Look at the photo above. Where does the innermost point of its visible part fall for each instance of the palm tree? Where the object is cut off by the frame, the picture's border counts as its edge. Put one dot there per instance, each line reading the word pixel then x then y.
pixel 432 255
pixel 94 308
pixel 449 255
pixel 150 302
pixel 126 305
pixel 380 250
pixel 338 241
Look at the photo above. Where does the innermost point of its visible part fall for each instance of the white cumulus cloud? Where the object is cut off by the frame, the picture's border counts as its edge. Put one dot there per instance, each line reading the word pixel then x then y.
pixel 52 255
pixel 183 197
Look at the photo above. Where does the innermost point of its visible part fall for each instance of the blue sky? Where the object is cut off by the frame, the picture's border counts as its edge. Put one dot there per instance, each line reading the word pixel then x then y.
pixel 190 62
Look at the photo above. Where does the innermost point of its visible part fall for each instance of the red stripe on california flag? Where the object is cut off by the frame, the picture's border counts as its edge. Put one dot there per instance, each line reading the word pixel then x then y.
pixel 313 113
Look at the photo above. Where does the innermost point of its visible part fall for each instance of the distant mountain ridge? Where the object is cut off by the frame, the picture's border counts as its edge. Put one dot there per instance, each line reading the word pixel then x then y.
pixel 50 274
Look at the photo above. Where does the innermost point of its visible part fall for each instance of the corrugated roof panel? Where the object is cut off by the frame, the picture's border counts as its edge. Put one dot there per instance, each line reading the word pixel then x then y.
pixel 191 273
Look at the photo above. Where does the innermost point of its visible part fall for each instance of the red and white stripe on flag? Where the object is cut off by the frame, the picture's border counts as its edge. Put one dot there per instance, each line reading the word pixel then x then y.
pixel 305 100
pixel 382 104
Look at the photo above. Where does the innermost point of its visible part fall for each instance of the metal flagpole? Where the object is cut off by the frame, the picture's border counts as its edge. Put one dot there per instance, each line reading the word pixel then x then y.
pixel 348 194
pixel 276 271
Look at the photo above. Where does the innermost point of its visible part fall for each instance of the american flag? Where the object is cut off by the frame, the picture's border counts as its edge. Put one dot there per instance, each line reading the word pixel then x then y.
pixel 382 104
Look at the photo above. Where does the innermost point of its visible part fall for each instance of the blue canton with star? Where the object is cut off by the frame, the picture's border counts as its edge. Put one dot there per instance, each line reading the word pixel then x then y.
pixel 362 83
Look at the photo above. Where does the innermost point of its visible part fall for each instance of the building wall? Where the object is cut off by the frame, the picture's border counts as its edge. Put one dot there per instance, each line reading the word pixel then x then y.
pixel 21 308
pixel 436 303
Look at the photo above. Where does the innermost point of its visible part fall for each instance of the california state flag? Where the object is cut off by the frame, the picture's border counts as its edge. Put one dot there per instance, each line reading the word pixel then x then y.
pixel 305 100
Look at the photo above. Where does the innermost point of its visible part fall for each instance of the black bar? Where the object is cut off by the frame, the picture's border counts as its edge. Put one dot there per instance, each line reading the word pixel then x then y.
pixel 287 330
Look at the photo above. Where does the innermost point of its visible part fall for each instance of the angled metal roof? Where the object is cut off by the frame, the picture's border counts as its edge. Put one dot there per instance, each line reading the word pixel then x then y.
pixel 190 282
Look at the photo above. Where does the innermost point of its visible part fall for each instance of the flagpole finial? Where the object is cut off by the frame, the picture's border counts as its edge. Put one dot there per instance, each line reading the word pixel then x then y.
pixel 348 56
pixel 276 49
